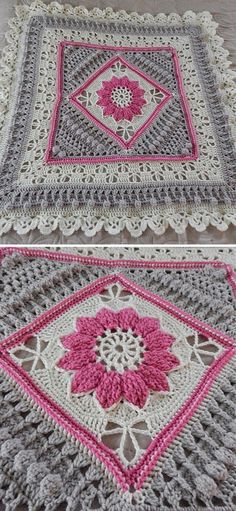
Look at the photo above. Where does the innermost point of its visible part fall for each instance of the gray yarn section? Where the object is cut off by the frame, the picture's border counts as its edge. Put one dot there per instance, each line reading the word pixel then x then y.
pixel 31 287
pixel 205 293
pixel 42 468
pixel 113 195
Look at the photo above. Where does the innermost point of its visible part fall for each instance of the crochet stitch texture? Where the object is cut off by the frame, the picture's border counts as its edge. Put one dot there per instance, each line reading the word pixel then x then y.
pixel 133 350
pixel 164 155
pixel 122 98
pixel 175 451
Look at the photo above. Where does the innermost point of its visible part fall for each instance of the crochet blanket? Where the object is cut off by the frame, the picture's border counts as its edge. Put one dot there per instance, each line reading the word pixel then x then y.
pixel 114 120
pixel 117 383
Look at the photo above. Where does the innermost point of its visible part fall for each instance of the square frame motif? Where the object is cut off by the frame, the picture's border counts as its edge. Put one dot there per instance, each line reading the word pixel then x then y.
pixel 73 98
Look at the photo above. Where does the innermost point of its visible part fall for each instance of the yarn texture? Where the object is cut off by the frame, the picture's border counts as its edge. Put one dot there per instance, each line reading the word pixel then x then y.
pixel 114 120
pixel 117 383
pixel 118 340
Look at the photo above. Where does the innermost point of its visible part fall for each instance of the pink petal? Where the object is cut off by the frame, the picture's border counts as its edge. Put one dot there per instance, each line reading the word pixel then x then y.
pixel 128 318
pixel 140 102
pixel 164 361
pixel 103 94
pixel 87 378
pixel 158 340
pixel 102 102
pixel 115 81
pixel 154 378
pixel 135 109
pixel 75 340
pixel 126 110
pixel 107 318
pixel 125 82
pixel 89 326
pixel 109 109
pixel 107 86
pixel 118 114
pixel 76 359
pixel 139 93
pixel 147 325
pixel 134 388
pixel 134 85
pixel 128 114
pixel 108 391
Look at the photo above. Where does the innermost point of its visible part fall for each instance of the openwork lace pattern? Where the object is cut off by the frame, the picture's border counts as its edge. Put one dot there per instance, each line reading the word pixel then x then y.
pixel 117 383
pixel 140 137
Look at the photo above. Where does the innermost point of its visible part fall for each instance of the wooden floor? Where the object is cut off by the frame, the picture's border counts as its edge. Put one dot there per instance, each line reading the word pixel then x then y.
pixel 224 12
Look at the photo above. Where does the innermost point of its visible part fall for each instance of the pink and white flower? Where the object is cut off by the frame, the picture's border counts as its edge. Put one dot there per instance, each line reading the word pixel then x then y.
pixel 121 98
pixel 118 355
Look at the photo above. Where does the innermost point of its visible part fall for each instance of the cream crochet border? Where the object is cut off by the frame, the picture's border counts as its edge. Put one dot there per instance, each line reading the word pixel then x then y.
pixel 115 221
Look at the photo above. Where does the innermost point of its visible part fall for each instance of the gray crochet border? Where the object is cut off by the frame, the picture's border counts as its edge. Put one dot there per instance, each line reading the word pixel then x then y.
pixel 112 195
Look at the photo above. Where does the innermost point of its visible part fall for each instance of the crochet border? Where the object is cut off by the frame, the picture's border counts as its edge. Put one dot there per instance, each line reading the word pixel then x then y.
pixel 178 220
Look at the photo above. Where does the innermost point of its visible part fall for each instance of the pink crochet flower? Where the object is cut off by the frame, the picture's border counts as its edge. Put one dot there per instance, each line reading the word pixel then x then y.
pixel 121 98
pixel 118 354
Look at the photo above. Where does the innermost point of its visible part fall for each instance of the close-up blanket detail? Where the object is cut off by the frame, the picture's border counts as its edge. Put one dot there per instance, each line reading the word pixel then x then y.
pixel 117 383
pixel 113 120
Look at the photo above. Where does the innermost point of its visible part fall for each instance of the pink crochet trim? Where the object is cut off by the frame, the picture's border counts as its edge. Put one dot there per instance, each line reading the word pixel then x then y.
pixel 112 385
pixel 132 104
pixel 55 116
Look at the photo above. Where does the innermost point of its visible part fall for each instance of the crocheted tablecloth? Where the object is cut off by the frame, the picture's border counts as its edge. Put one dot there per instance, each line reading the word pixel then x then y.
pixel 117 383
pixel 115 120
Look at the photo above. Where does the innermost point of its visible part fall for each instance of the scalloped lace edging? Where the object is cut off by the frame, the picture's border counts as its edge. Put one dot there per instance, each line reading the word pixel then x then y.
pixel 90 223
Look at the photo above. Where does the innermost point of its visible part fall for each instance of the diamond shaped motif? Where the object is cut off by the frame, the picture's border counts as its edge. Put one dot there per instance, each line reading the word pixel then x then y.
pixel 159 360
pixel 121 100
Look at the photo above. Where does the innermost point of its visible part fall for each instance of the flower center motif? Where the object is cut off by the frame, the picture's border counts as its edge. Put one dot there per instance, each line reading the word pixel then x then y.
pixel 118 355
pixel 121 96
pixel 119 350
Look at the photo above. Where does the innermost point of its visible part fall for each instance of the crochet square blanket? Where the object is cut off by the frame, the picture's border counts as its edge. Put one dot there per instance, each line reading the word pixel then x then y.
pixel 115 120
pixel 117 383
